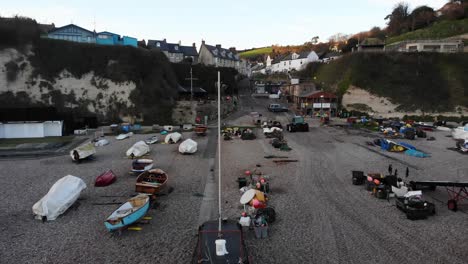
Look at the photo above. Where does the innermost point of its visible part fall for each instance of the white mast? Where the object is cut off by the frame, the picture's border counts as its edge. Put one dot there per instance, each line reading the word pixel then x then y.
pixel 219 151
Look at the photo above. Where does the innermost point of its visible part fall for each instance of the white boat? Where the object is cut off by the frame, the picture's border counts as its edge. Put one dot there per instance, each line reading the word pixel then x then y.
pixel 101 143
pixel 141 165
pixel 152 140
pixel 188 146
pixel 460 133
pixel 138 149
pixel 124 136
pixel 82 152
pixel 60 197
pixel 173 138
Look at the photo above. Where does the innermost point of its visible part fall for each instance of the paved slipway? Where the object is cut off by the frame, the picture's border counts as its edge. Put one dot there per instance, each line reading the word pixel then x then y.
pixel 323 218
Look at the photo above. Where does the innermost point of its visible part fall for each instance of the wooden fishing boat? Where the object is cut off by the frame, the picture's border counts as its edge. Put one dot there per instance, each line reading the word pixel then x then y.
pixel 128 213
pixel 200 130
pixel 151 182
pixel 141 165
pixel 105 179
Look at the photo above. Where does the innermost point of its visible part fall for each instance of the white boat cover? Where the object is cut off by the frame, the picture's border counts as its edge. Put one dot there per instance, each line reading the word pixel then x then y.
pixel 84 151
pixel 460 133
pixel 138 149
pixel 60 197
pixel 400 192
pixel 188 146
pixel 172 137
pixel 441 128
pixel 101 142
pixel 124 136
pixel 267 130
pixel 413 193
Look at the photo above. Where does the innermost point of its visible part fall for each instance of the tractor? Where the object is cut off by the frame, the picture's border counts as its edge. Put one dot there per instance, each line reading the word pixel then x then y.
pixel 298 125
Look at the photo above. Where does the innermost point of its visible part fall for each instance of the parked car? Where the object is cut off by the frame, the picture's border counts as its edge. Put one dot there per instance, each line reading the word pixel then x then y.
pixel 277 108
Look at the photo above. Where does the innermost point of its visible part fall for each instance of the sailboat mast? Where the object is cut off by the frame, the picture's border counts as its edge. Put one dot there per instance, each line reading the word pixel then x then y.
pixel 219 151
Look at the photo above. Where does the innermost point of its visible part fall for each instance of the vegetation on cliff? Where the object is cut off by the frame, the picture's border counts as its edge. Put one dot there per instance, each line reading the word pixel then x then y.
pixel 426 81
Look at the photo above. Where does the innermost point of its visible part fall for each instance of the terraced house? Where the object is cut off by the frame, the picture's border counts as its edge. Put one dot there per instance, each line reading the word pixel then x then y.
pixel 220 57
pixel 174 51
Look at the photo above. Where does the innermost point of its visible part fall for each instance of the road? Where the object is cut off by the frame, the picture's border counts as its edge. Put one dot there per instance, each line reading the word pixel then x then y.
pixel 323 218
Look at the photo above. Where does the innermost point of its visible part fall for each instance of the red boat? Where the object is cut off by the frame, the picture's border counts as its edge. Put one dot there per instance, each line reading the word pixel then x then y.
pixel 105 179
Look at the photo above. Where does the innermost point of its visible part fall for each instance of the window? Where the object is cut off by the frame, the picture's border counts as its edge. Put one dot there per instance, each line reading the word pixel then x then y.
pixel 158 44
pixel 289 62
pixel 284 63
pixel 176 48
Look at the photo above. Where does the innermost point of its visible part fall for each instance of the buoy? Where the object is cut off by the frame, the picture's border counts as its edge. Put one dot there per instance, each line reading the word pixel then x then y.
pixel 147 218
pixel 247 173
pixel 135 228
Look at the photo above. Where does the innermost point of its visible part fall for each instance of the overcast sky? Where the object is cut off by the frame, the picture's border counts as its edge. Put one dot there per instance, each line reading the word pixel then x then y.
pixel 241 24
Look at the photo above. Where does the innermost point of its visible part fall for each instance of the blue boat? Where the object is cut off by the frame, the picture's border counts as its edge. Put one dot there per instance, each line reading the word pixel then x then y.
pixel 128 213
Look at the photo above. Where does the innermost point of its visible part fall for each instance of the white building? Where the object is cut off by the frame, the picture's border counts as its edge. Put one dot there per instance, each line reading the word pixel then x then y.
pixel 31 129
pixel 293 61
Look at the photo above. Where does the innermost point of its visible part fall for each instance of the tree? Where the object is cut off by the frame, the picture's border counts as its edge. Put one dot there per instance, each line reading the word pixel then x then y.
pixel 377 32
pixel 350 44
pixel 398 19
pixel 422 17
pixel 314 40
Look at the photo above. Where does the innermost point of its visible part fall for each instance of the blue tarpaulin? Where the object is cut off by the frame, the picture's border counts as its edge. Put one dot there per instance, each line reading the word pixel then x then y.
pixel 416 153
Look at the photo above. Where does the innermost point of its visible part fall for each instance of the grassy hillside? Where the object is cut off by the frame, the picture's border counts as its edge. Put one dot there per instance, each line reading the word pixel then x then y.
pixel 256 52
pixel 426 81
pixel 438 30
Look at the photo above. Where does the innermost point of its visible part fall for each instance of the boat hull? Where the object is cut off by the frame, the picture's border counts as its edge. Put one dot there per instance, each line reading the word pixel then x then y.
pixel 105 179
pixel 129 219
pixel 151 182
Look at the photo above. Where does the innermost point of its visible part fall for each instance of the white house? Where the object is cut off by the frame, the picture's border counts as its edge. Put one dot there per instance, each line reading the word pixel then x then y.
pixel 293 61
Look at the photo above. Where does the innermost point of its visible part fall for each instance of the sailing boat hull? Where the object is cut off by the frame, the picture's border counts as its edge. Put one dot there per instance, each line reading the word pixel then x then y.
pixel 128 219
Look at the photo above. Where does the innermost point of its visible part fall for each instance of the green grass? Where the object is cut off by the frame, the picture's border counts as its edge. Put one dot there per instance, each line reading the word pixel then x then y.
pixel 256 52
pixel 11 142
pixel 438 30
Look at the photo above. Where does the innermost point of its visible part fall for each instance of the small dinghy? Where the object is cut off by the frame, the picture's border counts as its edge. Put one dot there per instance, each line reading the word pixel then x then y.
pixel 188 146
pixel 151 182
pixel 124 136
pixel 141 165
pixel 137 150
pixel 152 140
pixel 82 152
pixel 105 179
pixel 60 197
pixel 128 213
pixel 172 138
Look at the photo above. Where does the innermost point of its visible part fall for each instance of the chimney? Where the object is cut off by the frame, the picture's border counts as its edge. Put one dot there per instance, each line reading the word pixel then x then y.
pixel 218 46
pixel 164 40
pixel 203 42
pixel 179 42
pixel 193 45
pixel 233 49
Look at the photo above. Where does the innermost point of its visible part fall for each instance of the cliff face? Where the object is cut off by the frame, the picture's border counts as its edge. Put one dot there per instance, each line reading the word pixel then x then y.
pixel 116 83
